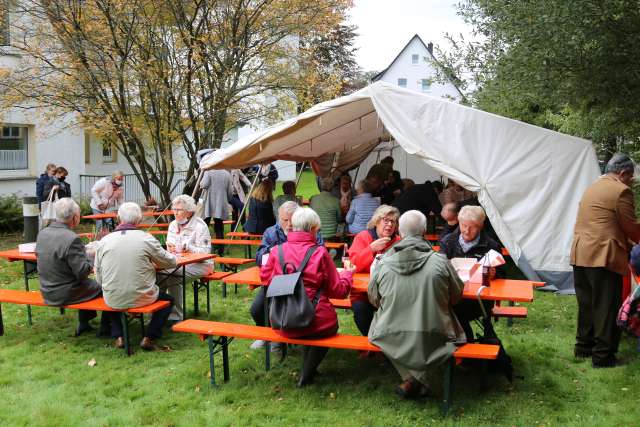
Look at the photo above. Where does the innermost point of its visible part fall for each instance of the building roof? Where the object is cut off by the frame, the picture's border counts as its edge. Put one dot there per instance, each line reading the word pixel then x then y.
pixel 429 49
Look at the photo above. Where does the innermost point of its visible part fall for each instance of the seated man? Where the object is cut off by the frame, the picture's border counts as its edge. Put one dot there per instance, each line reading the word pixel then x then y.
pixel 187 233
pixel 327 206
pixel 450 215
pixel 126 262
pixel 63 265
pixel 470 241
pixel 288 195
pixel 415 290
pixel 273 236
pixel 420 197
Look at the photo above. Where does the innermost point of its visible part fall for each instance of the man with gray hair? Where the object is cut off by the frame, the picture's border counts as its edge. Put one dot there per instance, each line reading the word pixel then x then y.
pixel 272 237
pixel 415 289
pixel 63 265
pixel 605 224
pixel 126 262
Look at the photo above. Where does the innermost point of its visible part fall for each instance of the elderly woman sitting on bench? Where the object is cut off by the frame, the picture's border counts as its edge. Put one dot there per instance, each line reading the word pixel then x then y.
pixel 320 276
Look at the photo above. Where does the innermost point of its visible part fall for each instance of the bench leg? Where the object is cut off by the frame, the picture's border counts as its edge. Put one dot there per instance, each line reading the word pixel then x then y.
pixel 510 319
pixel 196 289
pixel 212 366
pixel 483 375
pixel 1 322
pixel 26 287
pixel 447 386
pixel 125 331
pixel 142 325
pixel 236 290
pixel 224 290
pixel 184 292
pixel 206 284
pixel 267 344
pixel 225 358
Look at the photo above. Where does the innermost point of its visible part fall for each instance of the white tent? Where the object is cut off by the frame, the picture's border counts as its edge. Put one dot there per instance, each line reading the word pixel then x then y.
pixel 528 179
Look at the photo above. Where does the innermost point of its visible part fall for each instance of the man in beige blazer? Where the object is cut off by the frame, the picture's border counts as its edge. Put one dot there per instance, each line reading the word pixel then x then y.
pixel 605 226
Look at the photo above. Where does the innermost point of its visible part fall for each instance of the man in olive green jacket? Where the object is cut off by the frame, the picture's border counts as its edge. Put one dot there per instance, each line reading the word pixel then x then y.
pixel 415 289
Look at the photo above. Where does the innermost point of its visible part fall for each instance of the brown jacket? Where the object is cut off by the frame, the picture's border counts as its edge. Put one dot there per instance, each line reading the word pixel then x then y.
pixel 605 224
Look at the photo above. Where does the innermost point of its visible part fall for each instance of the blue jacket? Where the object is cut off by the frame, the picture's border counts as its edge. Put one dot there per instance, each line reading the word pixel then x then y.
pixel 362 208
pixel 274 236
pixel 40 183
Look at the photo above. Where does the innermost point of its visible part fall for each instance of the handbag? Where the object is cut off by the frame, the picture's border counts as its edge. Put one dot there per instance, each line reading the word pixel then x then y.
pixel 290 307
pixel 47 211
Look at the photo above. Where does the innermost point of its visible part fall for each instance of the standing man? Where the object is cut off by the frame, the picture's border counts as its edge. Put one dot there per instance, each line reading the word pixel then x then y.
pixel 599 255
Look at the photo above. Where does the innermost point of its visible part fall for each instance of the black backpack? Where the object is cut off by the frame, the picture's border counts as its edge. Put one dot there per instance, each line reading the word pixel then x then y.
pixel 290 307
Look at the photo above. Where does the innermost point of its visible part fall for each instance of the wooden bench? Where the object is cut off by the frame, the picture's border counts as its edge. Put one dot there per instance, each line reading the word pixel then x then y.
pixel 203 283
pixel 511 312
pixel 230 264
pixel 223 331
pixel 10 296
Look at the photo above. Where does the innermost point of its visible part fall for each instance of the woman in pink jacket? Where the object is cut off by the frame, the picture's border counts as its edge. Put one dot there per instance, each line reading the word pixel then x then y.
pixel 319 274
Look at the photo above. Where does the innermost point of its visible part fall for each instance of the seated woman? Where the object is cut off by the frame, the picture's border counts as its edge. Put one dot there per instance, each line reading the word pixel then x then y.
pixel 380 236
pixel 362 208
pixel 469 240
pixel 187 233
pixel 320 275
pixel 260 211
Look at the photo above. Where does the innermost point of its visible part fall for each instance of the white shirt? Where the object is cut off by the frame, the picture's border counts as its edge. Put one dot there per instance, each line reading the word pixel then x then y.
pixel 194 236
pixel 102 192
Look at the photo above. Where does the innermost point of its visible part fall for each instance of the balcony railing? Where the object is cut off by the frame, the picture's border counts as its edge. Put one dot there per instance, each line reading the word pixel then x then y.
pixel 13 159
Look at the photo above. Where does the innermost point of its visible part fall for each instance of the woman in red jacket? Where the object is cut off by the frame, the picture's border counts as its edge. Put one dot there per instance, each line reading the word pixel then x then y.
pixel 320 275
pixel 380 235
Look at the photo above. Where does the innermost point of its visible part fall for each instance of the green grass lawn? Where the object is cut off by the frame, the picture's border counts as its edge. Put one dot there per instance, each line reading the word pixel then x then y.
pixel 45 378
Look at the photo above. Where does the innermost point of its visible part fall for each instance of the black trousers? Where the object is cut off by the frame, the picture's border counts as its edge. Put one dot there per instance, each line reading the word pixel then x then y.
pixel 599 294
pixel 363 315
pixel 257 307
pixel 468 310
pixel 218 231
pixel 154 328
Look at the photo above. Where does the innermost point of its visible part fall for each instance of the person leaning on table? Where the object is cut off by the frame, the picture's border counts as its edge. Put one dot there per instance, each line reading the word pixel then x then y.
pixel 187 233
pixel 469 240
pixel 125 263
pixel 272 237
pixel 106 195
pixel 605 224
pixel 320 275
pixel 414 289
pixel 63 265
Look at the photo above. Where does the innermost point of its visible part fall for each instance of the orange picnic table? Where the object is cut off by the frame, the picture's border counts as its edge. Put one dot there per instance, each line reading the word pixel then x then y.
pixel 243 234
pixel 108 215
pixel 500 289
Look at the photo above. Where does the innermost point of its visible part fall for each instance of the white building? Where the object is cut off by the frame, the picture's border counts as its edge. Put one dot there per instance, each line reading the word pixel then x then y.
pixel 414 68
pixel 29 140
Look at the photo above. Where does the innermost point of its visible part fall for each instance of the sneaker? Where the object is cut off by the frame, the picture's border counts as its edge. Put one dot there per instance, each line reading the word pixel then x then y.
pixel 412 389
pixel 257 344
pixel 607 363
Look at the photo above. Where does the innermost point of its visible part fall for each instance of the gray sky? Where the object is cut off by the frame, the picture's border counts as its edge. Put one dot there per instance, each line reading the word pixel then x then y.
pixel 385 26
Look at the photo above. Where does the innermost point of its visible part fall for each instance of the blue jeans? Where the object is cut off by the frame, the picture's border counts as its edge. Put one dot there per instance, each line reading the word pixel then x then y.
pixel 108 223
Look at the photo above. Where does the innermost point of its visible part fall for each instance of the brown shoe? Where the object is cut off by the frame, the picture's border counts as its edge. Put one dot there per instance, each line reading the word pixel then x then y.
pixel 412 389
pixel 119 342
pixel 148 344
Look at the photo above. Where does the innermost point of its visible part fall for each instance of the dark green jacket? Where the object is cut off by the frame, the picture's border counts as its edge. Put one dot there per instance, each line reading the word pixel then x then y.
pixel 415 289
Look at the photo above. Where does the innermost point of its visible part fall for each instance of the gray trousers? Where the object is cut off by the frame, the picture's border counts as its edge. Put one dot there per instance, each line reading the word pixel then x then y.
pixel 172 284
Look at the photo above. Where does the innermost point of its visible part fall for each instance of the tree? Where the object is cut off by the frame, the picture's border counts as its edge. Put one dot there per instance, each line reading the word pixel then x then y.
pixel 150 75
pixel 556 64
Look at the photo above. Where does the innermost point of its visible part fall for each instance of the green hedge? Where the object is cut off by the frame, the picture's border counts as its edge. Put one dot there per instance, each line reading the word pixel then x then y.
pixel 10 214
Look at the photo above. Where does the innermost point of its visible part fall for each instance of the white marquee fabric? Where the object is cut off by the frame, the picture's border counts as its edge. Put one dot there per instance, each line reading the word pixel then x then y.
pixel 528 179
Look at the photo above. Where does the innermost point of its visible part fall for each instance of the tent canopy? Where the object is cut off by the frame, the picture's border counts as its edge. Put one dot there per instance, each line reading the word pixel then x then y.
pixel 528 179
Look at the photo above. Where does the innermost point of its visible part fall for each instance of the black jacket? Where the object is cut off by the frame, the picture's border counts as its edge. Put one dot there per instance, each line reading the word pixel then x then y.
pixel 421 197
pixel 260 216
pixel 63 191
pixel 450 247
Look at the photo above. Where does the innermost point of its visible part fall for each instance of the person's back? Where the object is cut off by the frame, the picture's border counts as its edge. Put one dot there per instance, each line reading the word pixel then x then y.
pixel 327 206
pixel 126 262
pixel 362 208
pixel 62 263
pixel 420 197
pixel 416 289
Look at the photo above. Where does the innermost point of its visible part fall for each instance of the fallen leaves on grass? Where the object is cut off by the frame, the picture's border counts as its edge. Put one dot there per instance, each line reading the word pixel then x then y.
pixel 92 362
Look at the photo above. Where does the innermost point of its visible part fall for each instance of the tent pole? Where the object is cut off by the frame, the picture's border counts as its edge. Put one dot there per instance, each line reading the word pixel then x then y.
pixel 300 174
pixel 244 207
pixel 197 186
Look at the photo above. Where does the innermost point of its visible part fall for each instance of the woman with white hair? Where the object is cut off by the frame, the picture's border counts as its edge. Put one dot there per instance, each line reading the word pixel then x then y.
pixel 107 194
pixel 469 240
pixel 321 281
pixel 187 233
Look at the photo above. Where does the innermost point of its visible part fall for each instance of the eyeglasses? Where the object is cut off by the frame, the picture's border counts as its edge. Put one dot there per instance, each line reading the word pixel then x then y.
pixel 388 220
pixel 179 210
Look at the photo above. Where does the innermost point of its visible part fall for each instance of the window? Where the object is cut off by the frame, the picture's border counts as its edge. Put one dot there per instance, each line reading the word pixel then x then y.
pixel 415 58
pixel 109 153
pixel 5 38
pixel 402 82
pixel 426 85
pixel 13 148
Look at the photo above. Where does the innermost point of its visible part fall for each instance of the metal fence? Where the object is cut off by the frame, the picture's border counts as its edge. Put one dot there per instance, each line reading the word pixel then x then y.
pixel 132 189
